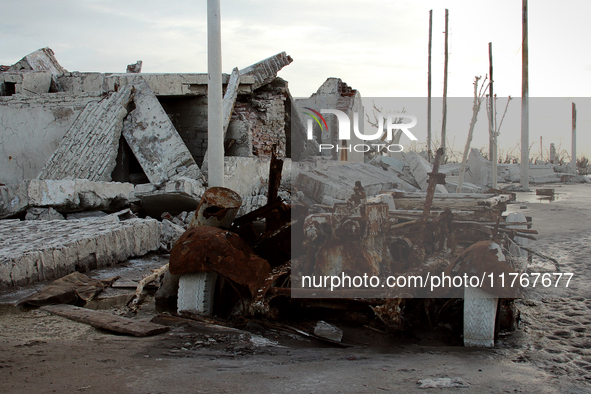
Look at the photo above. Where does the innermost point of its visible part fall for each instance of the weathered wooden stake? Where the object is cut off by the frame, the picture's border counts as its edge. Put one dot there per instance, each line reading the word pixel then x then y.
pixel 444 118
pixel 429 152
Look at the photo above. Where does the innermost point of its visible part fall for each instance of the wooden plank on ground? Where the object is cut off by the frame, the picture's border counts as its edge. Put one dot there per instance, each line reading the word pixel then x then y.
pixel 107 321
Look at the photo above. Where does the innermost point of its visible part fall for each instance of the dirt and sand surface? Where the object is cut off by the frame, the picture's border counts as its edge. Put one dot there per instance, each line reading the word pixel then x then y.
pixel 549 353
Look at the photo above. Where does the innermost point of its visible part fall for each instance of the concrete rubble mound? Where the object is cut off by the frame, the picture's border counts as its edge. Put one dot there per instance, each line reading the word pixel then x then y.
pixel 124 159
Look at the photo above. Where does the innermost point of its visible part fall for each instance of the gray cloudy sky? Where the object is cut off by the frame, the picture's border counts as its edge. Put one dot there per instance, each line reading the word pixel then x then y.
pixel 378 47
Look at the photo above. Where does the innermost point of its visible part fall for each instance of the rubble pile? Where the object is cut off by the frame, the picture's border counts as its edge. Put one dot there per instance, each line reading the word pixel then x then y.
pixel 123 157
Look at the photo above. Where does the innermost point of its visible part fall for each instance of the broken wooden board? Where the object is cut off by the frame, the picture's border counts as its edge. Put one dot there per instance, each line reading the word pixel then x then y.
pixel 107 321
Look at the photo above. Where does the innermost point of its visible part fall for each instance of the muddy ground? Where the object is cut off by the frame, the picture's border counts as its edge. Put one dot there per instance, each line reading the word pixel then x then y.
pixel 549 353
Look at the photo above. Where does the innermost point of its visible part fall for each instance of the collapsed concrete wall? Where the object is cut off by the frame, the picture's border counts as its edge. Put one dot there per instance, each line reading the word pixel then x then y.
pixel 64 196
pixel 335 94
pixel 32 128
pixel 89 148
pixel 154 141
pixel 37 250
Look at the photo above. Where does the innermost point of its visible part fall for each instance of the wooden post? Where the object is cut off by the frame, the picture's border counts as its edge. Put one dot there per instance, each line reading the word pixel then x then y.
pixel 493 151
pixel 490 90
pixel 444 118
pixel 524 102
pixel 574 141
pixel 541 152
pixel 429 152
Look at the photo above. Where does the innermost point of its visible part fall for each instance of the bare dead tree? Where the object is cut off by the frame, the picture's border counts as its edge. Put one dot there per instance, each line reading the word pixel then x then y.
pixel 479 96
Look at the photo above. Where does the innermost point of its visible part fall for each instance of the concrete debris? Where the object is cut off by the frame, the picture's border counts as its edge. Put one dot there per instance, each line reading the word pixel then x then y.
pixel 64 196
pixel 135 68
pixel 43 214
pixel 86 215
pixel 337 181
pixel 182 194
pixel 155 142
pixel 334 93
pixel 328 331
pixel 420 169
pixel 171 232
pixel 89 148
pixel 480 171
pixel 34 250
pixel 41 60
pixel 442 383
pixel 266 70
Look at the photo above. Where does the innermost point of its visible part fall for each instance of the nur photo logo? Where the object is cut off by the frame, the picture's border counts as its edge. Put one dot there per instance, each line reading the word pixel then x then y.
pixel 383 136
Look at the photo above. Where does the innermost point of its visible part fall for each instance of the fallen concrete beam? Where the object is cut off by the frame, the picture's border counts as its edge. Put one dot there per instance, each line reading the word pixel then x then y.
pixel 64 196
pixel 89 148
pixel 266 70
pixel 154 141
pixel 228 103
pixel 36 250
pixel 230 97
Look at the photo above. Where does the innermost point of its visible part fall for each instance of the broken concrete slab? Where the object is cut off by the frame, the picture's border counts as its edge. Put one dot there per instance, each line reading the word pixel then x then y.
pixel 64 196
pixel 170 234
pixel 43 214
pixel 34 250
pixel 41 60
pixel 420 169
pixel 338 181
pixel 481 171
pixel 89 148
pixel 452 186
pixel 155 142
pixel 266 70
pixel 328 331
pixel 180 195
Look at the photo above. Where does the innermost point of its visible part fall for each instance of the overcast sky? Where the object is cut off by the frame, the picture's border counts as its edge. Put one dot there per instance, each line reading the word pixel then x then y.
pixel 377 47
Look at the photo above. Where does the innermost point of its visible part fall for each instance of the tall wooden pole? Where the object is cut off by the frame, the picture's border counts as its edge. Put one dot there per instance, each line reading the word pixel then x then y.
pixel 492 128
pixel 574 142
pixel 491 95
pixel 444 118
pixel 429 152
pixel 215 128
pixel 524 102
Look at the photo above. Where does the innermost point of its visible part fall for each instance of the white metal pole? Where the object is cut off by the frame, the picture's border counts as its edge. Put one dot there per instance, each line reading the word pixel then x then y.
pixel 215 131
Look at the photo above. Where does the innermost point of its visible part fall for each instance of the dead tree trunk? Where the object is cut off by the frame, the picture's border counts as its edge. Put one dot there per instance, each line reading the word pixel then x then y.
pixel 478 97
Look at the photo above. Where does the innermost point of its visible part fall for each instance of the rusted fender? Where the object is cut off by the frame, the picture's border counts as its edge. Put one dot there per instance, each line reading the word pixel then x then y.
pixel 210 249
